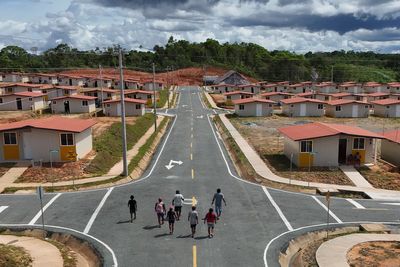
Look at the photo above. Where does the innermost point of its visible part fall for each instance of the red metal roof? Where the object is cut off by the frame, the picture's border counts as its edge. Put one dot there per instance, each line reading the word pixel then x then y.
pixel 51 123
pixel 276 93
pixel 378 94
pixel 86 90
pixel 296 100
pixel 305 94
pixel 340 94
pixel 344 102
pixel 29 94
pixel 318 130
pixel 127 99
pixel 67 87
pixel 126 92
pixel 79 97
pixel 393 136
pixel 252 100
pixel 239 93
pixel 387 101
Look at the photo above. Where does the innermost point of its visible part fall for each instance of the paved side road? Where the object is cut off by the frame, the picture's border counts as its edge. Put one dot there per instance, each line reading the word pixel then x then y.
pixel 253 217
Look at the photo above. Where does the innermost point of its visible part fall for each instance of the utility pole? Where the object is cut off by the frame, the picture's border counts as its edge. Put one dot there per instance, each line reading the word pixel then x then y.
pixel 121 77
pixel 154 102
pixel 101 87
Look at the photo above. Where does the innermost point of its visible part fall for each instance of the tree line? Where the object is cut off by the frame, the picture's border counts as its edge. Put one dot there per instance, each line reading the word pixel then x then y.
pixel 248 58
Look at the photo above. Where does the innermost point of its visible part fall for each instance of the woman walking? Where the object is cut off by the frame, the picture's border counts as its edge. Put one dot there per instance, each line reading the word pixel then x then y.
pixel 159 208
pixel 171 217
pixel 211 219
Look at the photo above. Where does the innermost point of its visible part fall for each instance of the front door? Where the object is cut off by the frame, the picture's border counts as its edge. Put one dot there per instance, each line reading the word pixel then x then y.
pixel 302 110
pixel 27 139
pixel 258 110
pixel 118 109
pixel 342 151
pixel 354 112
pixel 66 107
pixel 19 104
pixel 397 108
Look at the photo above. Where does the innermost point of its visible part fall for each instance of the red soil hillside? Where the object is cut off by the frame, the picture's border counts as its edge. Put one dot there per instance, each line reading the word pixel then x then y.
pixel 187 76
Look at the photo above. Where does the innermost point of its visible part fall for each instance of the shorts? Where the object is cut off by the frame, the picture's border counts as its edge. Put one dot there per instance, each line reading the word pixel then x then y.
pixel 132 211
pixel 193 226
pixel 160 216
pixel 218 209
pixel 178 208
pixel 210 225
pixel 171 222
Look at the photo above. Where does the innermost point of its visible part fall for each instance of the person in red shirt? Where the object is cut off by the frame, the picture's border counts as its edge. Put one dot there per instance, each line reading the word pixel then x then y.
pixel 211 219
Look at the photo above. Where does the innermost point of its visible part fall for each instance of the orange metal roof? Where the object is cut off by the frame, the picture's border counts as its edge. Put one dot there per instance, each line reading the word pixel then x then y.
pixel 252 100
pixel 318 130
pixel 275 93
pixel 393 136
pixel 239 93
pixel 51 123
pixel 344 102
pixel 79 97
pixel 296 100
pixel 127 99
pixel 388 101
pixel 29 94
pixel 126 92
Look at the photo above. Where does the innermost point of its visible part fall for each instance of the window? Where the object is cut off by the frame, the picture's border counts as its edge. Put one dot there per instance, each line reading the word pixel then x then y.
pixel 9 90
pixel 29 89
pixel 66 92
pixel 367 106
pixel 44 91
pixel 109 95
pixel 1 100
pixel 306 146
pixel 54 102
pixel 346 88
pixel 320 106
pixel 84 103
pixel 228 97
pixel 148 96
pixel 10 138
pixel 30 99
pixel 95 94
pixel 67 139
pixel 108 105
pixel 387 106
pixel 241 107
pixel 291 106
pixel 338 108
pixel 138 106
pixel 326 98
pixel 358 143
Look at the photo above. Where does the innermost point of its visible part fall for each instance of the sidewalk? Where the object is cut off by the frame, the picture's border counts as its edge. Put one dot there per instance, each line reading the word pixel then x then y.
pixel 12 174
pixel 357 179
pixel 42 253
pixel 333 253
pixel 262 169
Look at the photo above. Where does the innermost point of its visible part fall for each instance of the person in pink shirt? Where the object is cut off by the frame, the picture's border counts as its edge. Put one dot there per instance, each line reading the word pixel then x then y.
pixel 211 219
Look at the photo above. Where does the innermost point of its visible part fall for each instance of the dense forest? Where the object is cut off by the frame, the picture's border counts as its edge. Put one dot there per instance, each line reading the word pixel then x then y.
pixel 248 58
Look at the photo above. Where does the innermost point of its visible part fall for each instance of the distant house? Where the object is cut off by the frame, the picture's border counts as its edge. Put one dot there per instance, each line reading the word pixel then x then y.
pixel 309 94
pixel 302 107
pixel 139 94
pixel 209 79
pixel 395 96
pixel 253 107
pixel 269 87
pixel 327 88
pixel 342 95
pixel 22 101
pixel 15 77
pixel 73 104
pixel 105 94
pixel 299 88
pixel 250 88
pixel 232 77
pixel 43 78
pixel 71 80
pixel 350 87
pixel 97 82
pixel 343 108
pixel 67 90
pixel 387 108
pixel 282 87
pixel 148 85
pixel 373 87
pixel 324 144
pixel 133 107
pixel 394 88
pixel 235 95
pixel 322 96
pixel 377 96
pixel 12 88
pixel 224 88
pixel 132 84
pixel 390 147
pixel 58 138
pixel 276 96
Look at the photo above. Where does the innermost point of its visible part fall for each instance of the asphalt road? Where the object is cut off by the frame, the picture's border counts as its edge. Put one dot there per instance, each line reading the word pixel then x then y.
pixel 254 215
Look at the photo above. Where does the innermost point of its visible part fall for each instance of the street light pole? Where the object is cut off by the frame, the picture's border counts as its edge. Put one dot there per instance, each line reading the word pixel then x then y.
pixel 121 76
pixel 154 95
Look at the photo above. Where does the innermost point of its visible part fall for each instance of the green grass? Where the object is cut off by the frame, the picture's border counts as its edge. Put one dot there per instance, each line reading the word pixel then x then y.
pixel 12 256
pixel 108 146
pixel 163 94
pixel 205 100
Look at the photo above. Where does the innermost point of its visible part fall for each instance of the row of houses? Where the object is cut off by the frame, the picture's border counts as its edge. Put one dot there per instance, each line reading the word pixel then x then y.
pixel 91 81
pixel 324 144
pixel 340 105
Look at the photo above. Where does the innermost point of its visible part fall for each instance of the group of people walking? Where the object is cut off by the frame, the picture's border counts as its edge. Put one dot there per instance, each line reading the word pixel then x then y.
pixel 175 210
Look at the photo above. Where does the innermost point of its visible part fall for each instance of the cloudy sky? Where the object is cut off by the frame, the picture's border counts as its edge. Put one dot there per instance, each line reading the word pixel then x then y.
pixel 295 25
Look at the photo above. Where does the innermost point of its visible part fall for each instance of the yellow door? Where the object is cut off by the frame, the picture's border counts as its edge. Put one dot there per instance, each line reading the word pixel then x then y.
pixel 11 152
pixel 306 159
pixel 68 153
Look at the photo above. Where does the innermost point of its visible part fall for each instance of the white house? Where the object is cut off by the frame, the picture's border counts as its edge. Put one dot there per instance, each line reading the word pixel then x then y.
pixel 250 88
pixel 327 88
pixel 373 87
pixel 71 80
pixel 302 107
pixel 351 87
pixel 148 85
pixel 22 101
pixel 253 107
pixel 235 95
pixel 139 94
pixel 43 78
pixel 56 138
pixel 387 108
pixel 15 77
pixel 12 88
pixel 390 147
pixel 394 88
pixel 224 88
pixel 343 108
pixel 133 107
pixel 73 104
pixel 299 88
pixel 324 144
pixel 276 96
pixel 377 96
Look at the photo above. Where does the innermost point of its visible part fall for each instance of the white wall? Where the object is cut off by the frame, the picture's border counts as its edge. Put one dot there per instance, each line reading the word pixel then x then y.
pixel 84 143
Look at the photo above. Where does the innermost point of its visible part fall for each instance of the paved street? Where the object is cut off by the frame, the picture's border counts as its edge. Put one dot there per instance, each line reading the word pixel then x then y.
pixel 253 217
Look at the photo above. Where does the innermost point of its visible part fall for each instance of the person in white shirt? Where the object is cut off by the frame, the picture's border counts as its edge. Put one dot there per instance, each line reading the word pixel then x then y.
pixel 177 202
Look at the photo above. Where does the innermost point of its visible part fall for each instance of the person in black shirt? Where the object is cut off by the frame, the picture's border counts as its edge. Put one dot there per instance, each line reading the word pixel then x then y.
pixel 132 208
pixel 171 217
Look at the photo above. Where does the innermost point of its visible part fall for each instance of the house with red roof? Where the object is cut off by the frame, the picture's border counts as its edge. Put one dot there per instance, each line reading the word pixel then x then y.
pixel 140 94
pixel 23 101
pixel 374 87
pixel 14 77
pixel 299 88
pixel 276 96
pixel 57 138
pixel 71 80
pixel 236 95
pixel 395 96
pixel 250 88
pixel 302 107
pixel 343 108
pixel 394 88
pixel 327 88
pixel 73 104
pixel 387 108
pixel 43 78
pixel 390 147
pixel 133 107
pixel 325 144
pixel 377 96
pixel 148 85
pixel 351 87
pixel 253 107
pixel 12 88
pixel 101 94
pixel 224 88
pixel 96 82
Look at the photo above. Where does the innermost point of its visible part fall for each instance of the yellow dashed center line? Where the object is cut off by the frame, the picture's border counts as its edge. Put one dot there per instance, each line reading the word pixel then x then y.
pixel 191 156
pixel 194 256
pixel 192 174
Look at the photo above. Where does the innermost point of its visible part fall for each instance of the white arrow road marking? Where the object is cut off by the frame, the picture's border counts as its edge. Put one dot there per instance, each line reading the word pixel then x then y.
pixel 3 208
pixel 200 117
pixel 37 216
pixel 184 106
pixel 392 204
pixel 355 204
pixel 192 201
pixel 171 162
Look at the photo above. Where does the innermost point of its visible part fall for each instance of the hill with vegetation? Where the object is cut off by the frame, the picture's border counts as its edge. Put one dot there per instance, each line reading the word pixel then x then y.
pixel 248 58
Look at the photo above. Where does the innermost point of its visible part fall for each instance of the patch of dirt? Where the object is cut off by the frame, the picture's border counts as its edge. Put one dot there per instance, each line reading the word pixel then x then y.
pixel 380 253
pixel 382 176
pixel 103 123
pixel 13 116
pixel 307 254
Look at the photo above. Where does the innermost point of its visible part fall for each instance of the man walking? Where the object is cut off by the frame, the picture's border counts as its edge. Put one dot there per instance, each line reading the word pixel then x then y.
pixel 193 219
pixel 218 198
pixel 177 203
pixel 132 208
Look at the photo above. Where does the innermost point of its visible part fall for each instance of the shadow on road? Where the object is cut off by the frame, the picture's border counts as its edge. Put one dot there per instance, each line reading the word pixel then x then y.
pixel 161 235
pixel 201 237
pixel 184 236
pixel 127 221
pixel 150 227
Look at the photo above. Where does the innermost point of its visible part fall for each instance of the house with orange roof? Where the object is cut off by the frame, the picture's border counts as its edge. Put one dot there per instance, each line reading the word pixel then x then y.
pixel 390 147
pixel 43 78
pixel 250 88
pixel 253 107
pixel 65 90
pixel 342 95
pixel 57 138
pixel 73 104
pixel 351 87
pixel 71 80
pixel 139 94
pixel 395 96
pixel 133 107
pixel 148 85
pixel 100 94
pixel 235 95
pixel 299 88
pixel 394 88
pixel 33 101
pixel 327 88
pixel 12 88
pixel 95 82
pixel 276 96
pixel 387 108
pixel 377 96
pixel 14 77
pixel 374 87
pixel 343 108
pixel 302 107
pixel 326 145
pixel 224 88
